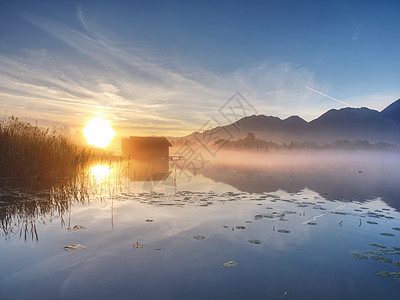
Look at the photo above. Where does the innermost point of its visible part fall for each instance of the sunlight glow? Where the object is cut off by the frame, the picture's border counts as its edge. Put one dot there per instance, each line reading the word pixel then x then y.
pixel 100 173
pixel 99 133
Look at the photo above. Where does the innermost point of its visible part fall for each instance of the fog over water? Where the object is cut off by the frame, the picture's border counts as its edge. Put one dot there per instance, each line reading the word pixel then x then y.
pixel 350 175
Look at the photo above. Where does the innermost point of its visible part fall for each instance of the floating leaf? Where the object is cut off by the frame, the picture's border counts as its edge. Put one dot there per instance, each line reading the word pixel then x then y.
pixel 311 223
pixel 76 227
pixel 395 275
pixel 137 245
pixel 358 255
pixel 383 274
pixel 257 242
pixel 149 220
pixel 240 227
pixel 230 263
pixel 73 247
pixel 386 234
pixel 372 222
pixel 382 259
pixel 199 237
pixel 397 263
pixel 396 228
pixel 283 231
pixel 377 245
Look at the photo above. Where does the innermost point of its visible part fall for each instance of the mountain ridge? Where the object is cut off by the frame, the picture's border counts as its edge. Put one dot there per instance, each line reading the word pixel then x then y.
pixel 336 124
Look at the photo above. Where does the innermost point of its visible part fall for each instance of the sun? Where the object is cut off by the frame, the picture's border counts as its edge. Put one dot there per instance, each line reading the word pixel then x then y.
pixel 98 132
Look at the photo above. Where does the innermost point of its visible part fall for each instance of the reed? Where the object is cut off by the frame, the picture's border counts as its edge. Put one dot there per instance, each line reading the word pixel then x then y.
pixel 33 156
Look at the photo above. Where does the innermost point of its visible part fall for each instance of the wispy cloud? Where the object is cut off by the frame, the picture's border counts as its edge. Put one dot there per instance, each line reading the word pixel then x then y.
pixel 139 87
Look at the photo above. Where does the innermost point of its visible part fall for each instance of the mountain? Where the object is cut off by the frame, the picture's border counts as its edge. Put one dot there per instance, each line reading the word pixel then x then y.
pixel 343 124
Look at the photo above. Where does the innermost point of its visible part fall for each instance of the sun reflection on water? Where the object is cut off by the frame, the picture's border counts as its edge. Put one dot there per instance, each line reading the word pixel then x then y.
pixel 100 173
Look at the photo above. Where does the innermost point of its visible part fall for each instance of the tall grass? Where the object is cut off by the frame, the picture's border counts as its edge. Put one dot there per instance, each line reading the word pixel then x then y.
pixel 33 155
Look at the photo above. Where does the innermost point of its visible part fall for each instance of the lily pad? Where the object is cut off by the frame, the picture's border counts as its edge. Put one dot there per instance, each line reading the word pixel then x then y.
pixel 372 222
pixel 397 263
pixel 76 227
pixel 395 275
pixel 257 242
pixel 386 234
pixel 283 231
pixel 137 245
pixel 383 274
pixel 396 228
pixel 311 223
pixel 240 227
pixel 359 255
pixel 230 263
pixel 377 245
pixel 73 247
pixel 199 237
pixel 149 220
pixel 382 259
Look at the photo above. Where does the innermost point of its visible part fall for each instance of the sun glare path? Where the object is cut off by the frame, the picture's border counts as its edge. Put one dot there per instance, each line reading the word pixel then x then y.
pixel 100 173
pixel 98 132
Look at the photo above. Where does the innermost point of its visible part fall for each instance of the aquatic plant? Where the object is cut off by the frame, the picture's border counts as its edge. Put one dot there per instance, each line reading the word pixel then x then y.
pixel 377 245
pixel 382 259
pixel 137 245
pixel 358 255
pixel 386 234
pixel 383 274
pixel 30 155
pixel 230 263
pixel 199 237
pixel 257 242
pixel 73 247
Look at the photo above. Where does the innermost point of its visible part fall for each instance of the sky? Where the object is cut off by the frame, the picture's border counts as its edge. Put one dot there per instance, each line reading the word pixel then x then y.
pixel 168 67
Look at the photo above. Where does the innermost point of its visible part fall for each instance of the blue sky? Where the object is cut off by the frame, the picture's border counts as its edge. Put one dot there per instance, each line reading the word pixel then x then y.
pixel 166 67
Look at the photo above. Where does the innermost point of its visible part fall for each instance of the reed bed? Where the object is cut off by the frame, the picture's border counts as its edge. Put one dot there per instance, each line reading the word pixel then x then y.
pixel 32 155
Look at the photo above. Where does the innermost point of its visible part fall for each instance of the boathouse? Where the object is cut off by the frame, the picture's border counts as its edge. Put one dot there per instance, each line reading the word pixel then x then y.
pixel 145 148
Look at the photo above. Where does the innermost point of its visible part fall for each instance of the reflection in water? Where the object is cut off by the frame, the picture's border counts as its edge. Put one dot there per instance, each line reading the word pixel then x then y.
pixel 148 170
pixel 283 235
pixel 100 173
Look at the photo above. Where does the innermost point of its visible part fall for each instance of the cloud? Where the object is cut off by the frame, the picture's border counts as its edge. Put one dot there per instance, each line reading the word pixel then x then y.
pixel 139 87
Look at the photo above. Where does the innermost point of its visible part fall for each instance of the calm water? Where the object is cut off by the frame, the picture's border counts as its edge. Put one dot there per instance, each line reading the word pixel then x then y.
pixel 307 226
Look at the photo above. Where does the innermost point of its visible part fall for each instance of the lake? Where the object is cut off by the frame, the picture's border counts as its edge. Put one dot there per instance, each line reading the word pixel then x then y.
pixel 320 229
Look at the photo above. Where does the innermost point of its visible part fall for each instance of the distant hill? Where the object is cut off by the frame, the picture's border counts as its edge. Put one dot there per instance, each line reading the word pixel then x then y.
pixel 343 124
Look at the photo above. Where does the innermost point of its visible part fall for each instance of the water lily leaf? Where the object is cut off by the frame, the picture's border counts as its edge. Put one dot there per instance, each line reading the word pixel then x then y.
pixel 199 237
pixel 240 227
pixel 382 259
pixel 377 245
pixel 257 242
pixel 230 263
pixel 137 245
pixel 386 234
pixel 73 247
pixel 358 255
pixel 372 222
pixel 383 274
pixel 283 231
pixel 395 275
